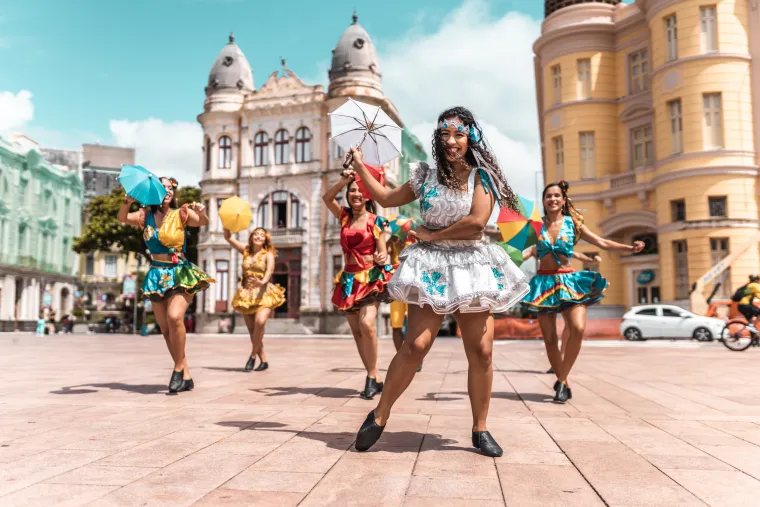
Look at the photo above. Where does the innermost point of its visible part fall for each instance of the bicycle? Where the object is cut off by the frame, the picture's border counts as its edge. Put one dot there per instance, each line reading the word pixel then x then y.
pixel 739 335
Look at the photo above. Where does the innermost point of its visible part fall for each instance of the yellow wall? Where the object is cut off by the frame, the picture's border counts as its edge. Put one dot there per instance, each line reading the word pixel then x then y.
pixel 687 78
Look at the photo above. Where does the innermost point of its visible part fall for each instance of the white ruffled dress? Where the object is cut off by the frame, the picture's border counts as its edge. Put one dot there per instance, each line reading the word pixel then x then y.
pixel 455 275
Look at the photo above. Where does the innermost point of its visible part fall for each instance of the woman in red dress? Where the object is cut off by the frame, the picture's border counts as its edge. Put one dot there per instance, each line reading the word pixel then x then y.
pixel 360 287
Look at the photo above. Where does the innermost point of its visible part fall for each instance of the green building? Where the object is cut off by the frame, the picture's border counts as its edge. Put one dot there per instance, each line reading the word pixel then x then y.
pixel 40 210
pixel 411 151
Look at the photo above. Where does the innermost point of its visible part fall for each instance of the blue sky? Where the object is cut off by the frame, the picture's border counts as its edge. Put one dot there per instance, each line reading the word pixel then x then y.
pixel 133 72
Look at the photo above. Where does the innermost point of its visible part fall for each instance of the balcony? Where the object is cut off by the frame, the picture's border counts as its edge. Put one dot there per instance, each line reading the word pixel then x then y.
pixel 287 236
pixel 28 262
pixel 623 180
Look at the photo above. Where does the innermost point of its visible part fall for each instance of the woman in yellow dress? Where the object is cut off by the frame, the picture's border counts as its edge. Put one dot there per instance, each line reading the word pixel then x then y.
pixel 257 296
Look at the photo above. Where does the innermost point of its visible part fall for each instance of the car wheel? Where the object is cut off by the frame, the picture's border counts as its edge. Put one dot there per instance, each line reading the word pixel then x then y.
pixel 702 334
pixel 633 334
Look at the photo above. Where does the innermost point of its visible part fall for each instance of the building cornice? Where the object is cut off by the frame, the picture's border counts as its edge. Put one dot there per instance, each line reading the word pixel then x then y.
pixel 678 157
pixel 691 172
pixel 653 7
pixel 696 58
pixel 562 105
pixel 618 221
pixel 711 223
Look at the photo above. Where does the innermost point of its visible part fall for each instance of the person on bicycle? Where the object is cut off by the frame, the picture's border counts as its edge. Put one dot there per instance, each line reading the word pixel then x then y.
pixel 751 291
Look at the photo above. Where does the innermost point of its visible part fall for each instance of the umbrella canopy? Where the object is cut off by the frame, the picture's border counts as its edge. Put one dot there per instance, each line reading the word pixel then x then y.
pixel 514 254
pixel 520 229
pixel 359 124
pixel 401 225
pixel 235 214
pixel 142 185
pixel 377 172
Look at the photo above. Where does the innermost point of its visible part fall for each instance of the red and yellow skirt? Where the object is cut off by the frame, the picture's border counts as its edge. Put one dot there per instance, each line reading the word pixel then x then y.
pixel 354 289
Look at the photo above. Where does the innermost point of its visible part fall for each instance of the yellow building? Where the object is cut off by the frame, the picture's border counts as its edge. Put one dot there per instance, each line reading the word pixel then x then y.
pixel 646 110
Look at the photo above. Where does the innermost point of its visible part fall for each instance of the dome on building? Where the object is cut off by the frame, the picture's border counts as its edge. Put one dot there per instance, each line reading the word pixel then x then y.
pixel 354 52
pixel 551 6
pixel 230 70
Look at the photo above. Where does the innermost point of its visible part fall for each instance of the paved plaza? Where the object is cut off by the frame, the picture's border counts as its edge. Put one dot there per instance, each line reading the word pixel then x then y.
pixel 86 420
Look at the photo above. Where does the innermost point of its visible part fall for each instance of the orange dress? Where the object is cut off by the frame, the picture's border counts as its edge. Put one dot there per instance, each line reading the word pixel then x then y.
pixel 249 301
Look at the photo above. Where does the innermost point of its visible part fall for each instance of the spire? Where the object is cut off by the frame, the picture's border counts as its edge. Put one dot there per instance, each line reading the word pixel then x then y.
pixel 282 62
pixel 232 38
pixel 355 17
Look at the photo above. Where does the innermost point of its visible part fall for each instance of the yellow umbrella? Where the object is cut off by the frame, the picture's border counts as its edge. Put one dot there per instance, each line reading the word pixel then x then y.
pixel 235 214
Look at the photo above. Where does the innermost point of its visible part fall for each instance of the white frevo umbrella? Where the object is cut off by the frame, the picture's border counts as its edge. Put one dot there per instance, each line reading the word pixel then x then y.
pixel 359 124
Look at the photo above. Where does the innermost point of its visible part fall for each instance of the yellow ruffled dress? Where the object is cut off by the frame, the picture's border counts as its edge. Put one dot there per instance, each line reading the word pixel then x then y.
pixel 249 301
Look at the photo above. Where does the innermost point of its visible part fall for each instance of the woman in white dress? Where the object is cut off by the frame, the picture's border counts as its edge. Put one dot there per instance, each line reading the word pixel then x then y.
pixel 449 270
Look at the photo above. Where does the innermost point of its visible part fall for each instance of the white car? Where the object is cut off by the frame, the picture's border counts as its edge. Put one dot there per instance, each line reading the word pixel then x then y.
pixel 668 321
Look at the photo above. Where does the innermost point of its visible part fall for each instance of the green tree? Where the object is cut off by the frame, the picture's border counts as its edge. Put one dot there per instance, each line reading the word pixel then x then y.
pixel 103 231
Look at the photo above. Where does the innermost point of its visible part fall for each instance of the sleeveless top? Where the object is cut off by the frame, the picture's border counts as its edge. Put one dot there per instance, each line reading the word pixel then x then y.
pixel 568 236
pixel 357 243
pixel 441 206
pixel 254 265
pixel 170 237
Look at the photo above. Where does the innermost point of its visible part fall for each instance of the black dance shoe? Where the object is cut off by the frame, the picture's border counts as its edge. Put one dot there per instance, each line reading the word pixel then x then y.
pixel 550 371
pixel 176 381
pixel 569 391
pixel 187 385
pixel 368 434
pixel 484 441
pixel 250 364
pixel 371 388
pixel 262 366
pixel 419 368
pixel 562 393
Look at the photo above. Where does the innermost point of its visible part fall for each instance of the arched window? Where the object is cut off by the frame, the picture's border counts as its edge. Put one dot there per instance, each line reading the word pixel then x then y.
pixel 280 210
pixel 281 147
pixel 261 149
pixel 303 145
pixel 225 152
pixel 208 154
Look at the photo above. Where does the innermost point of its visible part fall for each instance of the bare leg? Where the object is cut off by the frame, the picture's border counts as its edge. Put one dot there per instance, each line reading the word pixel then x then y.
pixel 398 338
pixel 260 318
pixel 565 336
pixel 354 323
pixel 576 321
pixel 159 311
pixel 368 327
pixel 422 328
pixel 548 325
pixel 477 337
pixel 250 324
pixel 177 305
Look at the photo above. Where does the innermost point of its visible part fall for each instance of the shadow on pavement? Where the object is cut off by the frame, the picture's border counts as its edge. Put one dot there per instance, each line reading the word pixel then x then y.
pixel 543 398
pixel 223 368
pixel 320 392
pixel 117 386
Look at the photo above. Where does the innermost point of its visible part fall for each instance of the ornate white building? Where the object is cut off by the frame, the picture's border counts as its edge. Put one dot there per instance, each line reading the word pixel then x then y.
pixel 271 146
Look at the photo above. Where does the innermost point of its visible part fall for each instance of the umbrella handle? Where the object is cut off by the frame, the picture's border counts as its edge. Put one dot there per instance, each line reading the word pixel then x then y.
pixel 348 161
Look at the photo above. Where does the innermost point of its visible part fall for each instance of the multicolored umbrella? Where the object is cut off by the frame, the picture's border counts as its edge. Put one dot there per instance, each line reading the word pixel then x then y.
pixel 142 185
pixel 235 214
pixel 520 229
pixel 514 254
pixel 401 225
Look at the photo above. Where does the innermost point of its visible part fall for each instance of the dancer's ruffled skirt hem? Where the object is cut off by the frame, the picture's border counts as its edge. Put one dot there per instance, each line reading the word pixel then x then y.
pixel 166 278
pixel 249 301
pixel 555 293
pixel 363 287
pixel 467 279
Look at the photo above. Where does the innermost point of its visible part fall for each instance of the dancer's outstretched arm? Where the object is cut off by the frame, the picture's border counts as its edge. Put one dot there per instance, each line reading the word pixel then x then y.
pixel 385 197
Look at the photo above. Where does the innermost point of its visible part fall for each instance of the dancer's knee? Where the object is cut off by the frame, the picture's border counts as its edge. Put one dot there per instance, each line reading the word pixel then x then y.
pixel 481 356
pixel 415 349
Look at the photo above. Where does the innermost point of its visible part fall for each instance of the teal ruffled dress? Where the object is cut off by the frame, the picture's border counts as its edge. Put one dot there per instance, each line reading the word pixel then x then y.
pixel 180 275
pixel 556 291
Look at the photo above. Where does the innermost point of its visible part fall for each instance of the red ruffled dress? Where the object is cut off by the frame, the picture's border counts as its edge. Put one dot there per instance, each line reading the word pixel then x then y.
pixel 360 282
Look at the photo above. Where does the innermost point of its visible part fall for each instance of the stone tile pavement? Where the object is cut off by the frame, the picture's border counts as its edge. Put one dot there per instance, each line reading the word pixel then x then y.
pixel 85 420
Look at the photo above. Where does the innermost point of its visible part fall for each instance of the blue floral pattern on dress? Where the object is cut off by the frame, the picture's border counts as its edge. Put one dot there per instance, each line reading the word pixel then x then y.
pixel 433 283
pixel 427 193
pixel 499 278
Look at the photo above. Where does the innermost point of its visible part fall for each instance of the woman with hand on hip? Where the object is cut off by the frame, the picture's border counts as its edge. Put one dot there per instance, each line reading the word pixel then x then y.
pixel 256 297
pixel 450 269
pixel 557 288
pixel 172 281
pixel 361 286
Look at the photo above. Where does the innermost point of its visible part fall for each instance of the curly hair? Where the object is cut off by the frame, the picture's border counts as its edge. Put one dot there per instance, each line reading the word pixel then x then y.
pixel 476 143
pixel 267 247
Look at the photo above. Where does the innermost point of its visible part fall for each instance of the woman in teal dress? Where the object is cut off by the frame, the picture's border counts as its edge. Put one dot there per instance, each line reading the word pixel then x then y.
pixel 557 288
pixel 172 280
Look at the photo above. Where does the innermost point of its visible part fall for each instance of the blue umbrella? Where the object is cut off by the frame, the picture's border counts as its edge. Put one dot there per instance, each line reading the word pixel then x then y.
pixel 142 185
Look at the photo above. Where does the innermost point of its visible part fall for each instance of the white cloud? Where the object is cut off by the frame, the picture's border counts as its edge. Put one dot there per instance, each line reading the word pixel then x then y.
pixel 16 110
pixel 481 62
pixel 166 148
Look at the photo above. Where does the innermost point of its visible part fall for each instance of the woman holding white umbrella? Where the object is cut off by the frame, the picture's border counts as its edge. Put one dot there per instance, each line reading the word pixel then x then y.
pixel 450 270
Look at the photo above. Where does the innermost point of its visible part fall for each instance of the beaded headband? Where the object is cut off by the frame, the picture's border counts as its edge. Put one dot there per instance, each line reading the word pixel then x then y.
pixel 456 123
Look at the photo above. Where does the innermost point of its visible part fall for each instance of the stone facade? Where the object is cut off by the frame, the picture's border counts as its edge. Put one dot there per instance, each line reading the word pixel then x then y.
pixel 271 146
pixel 40 210
pixel 651 112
